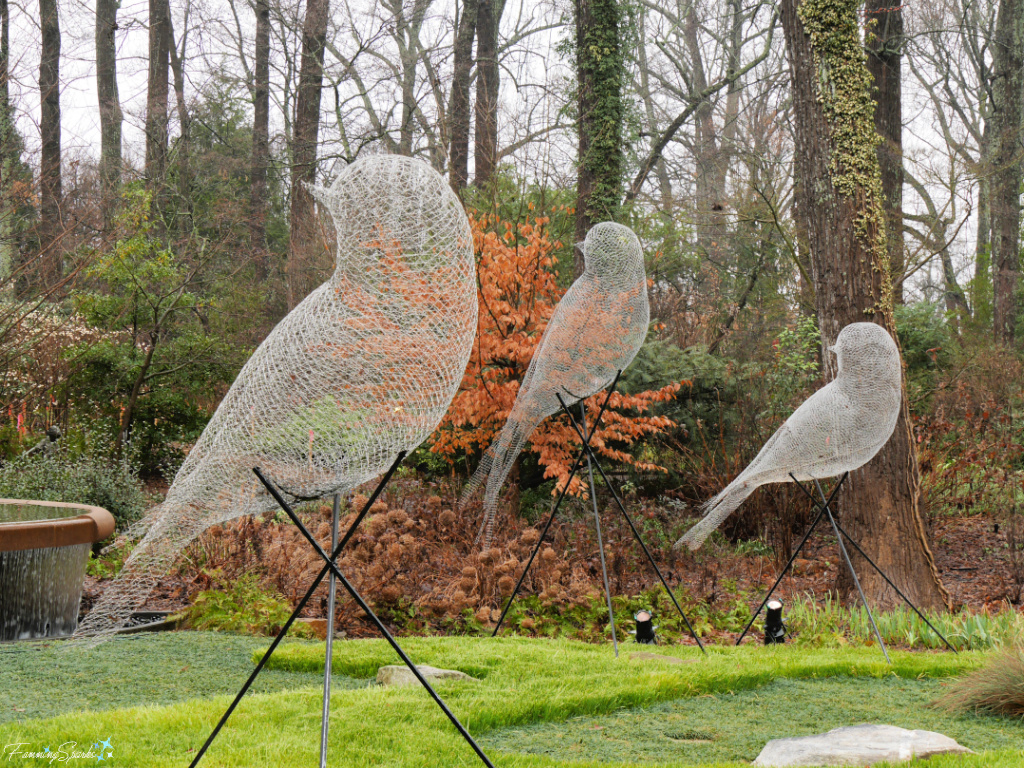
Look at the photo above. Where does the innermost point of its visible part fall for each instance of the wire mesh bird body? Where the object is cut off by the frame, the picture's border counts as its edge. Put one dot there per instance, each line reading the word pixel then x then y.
pixel 837 429
pixel 595 331
pixel 363 368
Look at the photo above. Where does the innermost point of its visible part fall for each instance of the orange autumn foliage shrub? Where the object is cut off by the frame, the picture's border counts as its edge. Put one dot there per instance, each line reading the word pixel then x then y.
pixel 518 294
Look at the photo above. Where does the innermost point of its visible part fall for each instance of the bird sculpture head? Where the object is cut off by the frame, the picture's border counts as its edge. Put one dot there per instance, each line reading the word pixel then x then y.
pixel 868 352
pixel 611 249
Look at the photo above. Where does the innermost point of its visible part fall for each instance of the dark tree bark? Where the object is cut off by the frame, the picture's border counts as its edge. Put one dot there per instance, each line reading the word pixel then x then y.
pixel 884 41
pixel 185 124
pixel 50 224
pixel 841 203
pixel 599 81
pixel 260 141
pixel 7 158
pixel 110 106
pixel 304 144
pixel 458 107
pixel 485 143
pixel 1007 92
pixel 157 93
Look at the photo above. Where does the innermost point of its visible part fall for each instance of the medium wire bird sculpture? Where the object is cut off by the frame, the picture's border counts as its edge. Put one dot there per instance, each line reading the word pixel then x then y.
pixel 837 429
pixel 364 368
pixel 595 331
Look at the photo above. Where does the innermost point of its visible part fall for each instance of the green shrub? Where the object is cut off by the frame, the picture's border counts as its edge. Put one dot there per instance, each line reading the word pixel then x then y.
pixel 61 476
pixel 242 606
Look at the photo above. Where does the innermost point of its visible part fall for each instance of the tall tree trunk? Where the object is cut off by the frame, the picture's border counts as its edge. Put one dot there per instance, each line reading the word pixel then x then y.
pixel 842 203
pixel 599 82
pixel 485 143
pixel 50 224
pixel 884 41
pixel 981 283
pixel 458 107
pixel 6 144
pixel 185 124
pixel 304 144
pixel 260 142
pixel 1007 92
pixel 156 96
pixel 110 106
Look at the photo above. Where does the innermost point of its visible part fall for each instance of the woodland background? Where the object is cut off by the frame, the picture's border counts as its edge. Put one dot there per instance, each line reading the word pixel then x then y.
pixel 789 168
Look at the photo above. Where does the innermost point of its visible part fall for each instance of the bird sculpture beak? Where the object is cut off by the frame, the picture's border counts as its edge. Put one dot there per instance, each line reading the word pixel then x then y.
pixel 320 194
pixel 580 246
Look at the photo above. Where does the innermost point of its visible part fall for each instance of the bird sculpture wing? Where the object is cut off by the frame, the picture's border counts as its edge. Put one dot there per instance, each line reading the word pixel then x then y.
pixel 363 368
pixel 596 330
pixel 837 429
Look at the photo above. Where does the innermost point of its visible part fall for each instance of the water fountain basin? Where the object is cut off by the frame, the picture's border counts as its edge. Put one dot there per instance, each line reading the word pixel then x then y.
pixel 44 547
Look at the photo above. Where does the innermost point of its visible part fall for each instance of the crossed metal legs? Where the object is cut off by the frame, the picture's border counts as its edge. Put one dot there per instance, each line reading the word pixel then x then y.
pixel 592 461
pixel 331 566
pixel 824 508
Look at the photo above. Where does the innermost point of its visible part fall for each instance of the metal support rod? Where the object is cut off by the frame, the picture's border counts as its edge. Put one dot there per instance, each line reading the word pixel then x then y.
pixel 372 616
pixel 853 573
pixel 888 581
pixel 632 527
pixel 332 587
pixel 821 513
pixel 298 609
pixel 554 511
pixel 597 525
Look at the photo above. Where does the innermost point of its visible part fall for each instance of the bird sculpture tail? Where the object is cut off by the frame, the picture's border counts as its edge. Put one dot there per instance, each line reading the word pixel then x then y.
pixel 148 563
pixel 495 467
pixel 715 512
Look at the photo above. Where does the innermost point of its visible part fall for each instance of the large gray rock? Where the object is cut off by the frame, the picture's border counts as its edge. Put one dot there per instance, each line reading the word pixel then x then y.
pixel 856 745
pixel 399 674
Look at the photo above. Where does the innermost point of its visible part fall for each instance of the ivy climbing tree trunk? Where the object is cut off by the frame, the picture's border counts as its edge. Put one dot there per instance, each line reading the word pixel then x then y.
pixel 599 81
pixel 844 218
pixel 304 144
pixel 1007 169
pixel 110 106
pixel 884 40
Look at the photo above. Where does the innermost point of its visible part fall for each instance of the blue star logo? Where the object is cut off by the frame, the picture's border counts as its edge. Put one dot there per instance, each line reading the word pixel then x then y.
pixel 47 750
pixel 106 744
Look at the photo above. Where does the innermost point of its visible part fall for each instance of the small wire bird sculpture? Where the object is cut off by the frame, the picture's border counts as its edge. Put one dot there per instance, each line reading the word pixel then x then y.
pixel 595 331
pixel 837 429
pixel 362 369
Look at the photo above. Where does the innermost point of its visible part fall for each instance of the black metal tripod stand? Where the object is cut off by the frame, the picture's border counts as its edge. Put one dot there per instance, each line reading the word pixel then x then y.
pixel 824 508
pixel 580 427
pixel 331 567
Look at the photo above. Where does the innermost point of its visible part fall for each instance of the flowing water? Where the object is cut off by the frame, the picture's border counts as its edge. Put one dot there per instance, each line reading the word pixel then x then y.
pixel 40 589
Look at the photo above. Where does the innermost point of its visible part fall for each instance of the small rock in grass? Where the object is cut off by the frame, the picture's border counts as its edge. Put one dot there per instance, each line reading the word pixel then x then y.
pixel 857 745
pixel 399 674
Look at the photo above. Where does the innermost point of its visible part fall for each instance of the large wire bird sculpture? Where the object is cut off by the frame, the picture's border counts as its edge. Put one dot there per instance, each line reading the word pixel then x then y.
pixel 595 331
pixel 363 368
pixel 837 429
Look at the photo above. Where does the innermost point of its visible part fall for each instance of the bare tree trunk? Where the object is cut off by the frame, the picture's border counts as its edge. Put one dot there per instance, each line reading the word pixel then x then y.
pixel 304 145
pixel 110 106
pixel 185 124
pixel 485 144
pixel 1007 91
pixel 458 109
pixel 884 41
pixel 599 77
pixel 6 143
pixel 157 95
pixel 260 142
pixel 50 224
pixel 841 201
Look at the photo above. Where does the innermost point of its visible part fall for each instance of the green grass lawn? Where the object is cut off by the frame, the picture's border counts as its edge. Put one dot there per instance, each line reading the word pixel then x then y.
pixel 529 691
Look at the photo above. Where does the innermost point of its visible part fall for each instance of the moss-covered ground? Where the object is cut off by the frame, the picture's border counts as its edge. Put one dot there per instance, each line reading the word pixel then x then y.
pixel 525 687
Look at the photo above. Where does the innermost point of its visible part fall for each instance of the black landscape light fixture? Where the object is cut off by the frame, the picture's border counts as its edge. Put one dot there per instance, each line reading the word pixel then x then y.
pixel 774 626
pixel 645 627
